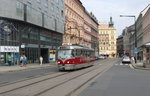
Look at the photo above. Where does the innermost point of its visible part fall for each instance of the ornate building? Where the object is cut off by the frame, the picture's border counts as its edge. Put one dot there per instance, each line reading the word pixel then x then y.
pixel 81 27
pixel 74 14
pixel 107 39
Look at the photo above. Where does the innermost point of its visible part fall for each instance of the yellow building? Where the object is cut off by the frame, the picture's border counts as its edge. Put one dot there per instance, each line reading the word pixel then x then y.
pixel 107 39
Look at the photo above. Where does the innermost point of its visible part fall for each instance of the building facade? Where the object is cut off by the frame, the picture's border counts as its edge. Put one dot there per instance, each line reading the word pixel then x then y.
pixel 146 39
pixel 107 39
pixel 120 46
pixel 81 27
pixel 74 22
pixel 31 27
pixel 87 30
pixel 139 35
pixel 129 46
pixel 94 34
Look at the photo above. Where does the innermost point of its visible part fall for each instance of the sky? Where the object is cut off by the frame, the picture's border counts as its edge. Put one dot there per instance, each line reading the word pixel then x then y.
pixel 103 9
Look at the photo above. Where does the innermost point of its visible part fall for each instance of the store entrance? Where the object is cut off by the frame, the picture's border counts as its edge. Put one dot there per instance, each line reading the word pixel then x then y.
pixel 4 58
pixel 44 54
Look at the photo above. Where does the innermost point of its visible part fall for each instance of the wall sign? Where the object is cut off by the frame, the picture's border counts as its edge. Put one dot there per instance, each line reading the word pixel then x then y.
pixel 9 48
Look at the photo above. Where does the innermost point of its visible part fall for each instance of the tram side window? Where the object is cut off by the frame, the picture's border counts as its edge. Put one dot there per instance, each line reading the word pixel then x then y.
pixel 88 53
pixel 82 53
pixel 75 52
pixel 78 52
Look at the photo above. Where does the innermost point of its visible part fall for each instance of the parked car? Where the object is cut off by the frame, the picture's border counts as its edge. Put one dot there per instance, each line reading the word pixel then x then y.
pixel 126 59
pixel 101 57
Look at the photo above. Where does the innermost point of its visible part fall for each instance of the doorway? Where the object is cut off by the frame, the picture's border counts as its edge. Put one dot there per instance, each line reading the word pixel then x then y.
pixel 44 54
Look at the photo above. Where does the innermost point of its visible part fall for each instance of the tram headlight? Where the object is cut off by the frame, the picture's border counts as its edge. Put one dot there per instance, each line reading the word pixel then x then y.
pixel 68 62
pixel 58 62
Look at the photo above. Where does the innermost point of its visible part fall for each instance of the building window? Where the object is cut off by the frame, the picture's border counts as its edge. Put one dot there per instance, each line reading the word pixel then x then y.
pixel 52 7
pixel 57 1
pixel 46 3
pixel 57 11
pixel 62 13
pixel 19 8
pixel 39 1
pixel 39 9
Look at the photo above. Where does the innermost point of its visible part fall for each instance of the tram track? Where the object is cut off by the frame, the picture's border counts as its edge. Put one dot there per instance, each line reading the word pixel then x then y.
pixel 63 82
pixel 25 84
pixel 30 78
pixel 72 91
pixel 27 80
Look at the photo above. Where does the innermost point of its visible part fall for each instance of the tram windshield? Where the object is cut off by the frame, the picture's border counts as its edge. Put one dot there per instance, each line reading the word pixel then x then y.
pixel 63 54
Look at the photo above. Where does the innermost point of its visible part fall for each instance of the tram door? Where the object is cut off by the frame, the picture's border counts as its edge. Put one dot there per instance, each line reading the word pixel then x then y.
pixel 44 54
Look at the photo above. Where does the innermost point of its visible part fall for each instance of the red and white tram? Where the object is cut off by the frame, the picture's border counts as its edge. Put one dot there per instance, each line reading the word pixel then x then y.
pixel 73 57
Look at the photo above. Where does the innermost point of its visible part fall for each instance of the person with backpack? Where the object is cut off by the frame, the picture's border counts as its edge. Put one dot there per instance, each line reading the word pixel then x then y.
pixel 24 60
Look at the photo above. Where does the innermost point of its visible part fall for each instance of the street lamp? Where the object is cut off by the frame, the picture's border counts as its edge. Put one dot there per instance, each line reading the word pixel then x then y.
pixel 133 16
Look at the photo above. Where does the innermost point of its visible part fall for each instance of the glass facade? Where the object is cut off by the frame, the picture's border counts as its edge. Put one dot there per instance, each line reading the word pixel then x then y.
pixel 32 40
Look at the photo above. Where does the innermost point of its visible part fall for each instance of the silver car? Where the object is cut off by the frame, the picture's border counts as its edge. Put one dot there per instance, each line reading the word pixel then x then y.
pixel 126 59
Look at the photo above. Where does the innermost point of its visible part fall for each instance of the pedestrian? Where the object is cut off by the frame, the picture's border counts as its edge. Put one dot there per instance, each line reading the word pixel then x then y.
pixel 9 60
pixel 132 60
pixel 21 60
pixel 41 60
pixel 24 61
pixel 135 60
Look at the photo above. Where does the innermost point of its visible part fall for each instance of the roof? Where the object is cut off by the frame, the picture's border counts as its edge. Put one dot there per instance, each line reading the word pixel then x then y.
pixel 74 47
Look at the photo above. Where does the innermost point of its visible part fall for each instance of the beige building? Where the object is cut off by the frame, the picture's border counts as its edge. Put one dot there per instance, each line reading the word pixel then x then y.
pixel 81 27
pixel 74 13
pixel 146 36
pixel 107 39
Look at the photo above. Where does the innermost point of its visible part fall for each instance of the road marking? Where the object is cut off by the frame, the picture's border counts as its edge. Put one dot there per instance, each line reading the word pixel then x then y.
pixel 121 64
pixel 131 66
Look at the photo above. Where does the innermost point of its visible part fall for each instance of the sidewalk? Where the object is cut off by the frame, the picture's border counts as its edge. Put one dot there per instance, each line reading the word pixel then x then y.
pixel 29 66
pixel 139 65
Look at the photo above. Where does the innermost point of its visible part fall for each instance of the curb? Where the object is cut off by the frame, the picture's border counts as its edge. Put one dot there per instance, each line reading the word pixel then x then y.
pixel 139 68
pixel 28 68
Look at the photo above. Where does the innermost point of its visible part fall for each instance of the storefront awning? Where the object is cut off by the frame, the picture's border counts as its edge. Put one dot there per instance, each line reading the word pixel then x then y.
pixel 147 44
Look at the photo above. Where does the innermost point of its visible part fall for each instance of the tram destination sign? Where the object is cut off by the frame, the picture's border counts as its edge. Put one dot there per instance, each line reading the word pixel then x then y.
pixel 9 49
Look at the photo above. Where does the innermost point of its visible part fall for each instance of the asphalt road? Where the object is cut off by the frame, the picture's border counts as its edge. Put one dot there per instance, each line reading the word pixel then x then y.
pixel 120 80
pixel 8 77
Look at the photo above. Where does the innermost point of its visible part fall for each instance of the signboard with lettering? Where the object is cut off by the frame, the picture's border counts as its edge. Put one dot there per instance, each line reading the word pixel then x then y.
pixel 9 49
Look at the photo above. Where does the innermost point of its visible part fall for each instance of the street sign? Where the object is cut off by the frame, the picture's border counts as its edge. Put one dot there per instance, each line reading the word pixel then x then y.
pixel 135 50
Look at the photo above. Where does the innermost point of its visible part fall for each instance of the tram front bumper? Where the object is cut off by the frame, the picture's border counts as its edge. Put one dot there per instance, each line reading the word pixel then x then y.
pixel 66 67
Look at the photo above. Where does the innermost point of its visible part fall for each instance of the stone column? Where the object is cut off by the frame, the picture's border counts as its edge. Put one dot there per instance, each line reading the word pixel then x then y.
pixel 144 57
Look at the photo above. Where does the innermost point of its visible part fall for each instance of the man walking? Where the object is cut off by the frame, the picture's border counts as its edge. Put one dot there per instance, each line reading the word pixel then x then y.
pixel 9 60
pixel 41 60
